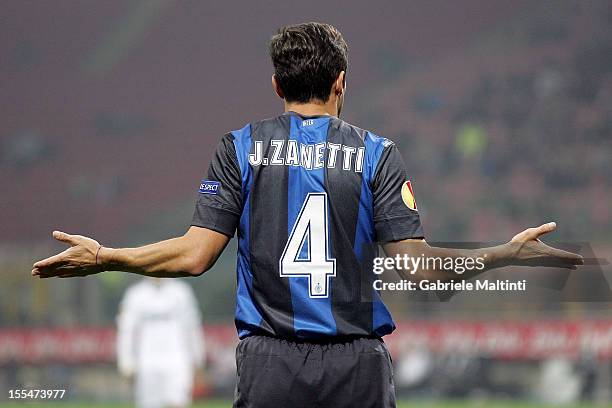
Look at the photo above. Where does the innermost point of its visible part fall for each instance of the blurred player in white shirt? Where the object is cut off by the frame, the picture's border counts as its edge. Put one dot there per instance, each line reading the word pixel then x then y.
pixel 160 342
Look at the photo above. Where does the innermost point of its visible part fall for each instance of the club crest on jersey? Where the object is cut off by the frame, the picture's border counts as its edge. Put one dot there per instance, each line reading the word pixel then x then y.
pixel 408 196
pixel 209 187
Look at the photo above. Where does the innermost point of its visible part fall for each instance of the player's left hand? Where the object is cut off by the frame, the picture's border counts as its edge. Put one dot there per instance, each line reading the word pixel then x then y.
pixel 78 260
pixel 527 250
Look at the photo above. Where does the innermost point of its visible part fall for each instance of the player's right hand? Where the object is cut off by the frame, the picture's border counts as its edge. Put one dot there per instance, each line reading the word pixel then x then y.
pixel 78 260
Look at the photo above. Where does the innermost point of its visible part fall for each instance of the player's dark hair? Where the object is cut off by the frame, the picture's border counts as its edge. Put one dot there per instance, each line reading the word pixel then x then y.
pixel 307 59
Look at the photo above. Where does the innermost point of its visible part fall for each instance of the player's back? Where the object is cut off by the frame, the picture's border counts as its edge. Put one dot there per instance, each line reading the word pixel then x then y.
pixel 309 195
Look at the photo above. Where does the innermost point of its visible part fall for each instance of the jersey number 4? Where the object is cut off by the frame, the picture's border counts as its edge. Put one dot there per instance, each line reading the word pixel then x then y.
pixel 306 253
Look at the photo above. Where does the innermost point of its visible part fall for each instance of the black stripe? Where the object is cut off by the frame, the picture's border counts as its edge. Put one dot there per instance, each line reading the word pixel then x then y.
pixel 268 221
pixel 353 315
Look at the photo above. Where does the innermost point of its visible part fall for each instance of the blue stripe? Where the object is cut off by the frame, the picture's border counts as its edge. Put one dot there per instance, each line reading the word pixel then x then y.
pixel 382 322
pixel 312 317
pixel 248 318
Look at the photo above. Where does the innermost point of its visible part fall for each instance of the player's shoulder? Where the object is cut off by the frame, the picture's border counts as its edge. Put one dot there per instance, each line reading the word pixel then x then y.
pixel 259 126
pixel 372 141
pixel 365 136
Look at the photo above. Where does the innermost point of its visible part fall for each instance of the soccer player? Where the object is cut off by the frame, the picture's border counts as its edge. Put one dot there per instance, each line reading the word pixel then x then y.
pixel 159 342
pixel 306 192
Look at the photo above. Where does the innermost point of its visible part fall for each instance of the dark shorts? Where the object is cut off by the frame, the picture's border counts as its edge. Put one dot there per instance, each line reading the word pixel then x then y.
pixel 279 373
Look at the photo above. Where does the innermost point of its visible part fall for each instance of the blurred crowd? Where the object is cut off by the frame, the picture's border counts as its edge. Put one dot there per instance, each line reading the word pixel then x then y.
pixel 514 130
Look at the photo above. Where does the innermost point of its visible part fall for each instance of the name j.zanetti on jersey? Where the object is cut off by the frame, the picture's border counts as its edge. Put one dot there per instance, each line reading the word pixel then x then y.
pixel 308 156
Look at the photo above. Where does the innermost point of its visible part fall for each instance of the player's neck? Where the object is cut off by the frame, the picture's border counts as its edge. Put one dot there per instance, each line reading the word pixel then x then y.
pixel 312 108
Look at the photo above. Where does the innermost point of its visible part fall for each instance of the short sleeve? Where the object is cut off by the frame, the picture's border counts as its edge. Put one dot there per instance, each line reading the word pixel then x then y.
pixel 396 216
pixel 219 203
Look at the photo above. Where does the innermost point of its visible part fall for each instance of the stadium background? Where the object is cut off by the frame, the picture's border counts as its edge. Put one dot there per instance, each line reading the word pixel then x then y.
pixel 502 110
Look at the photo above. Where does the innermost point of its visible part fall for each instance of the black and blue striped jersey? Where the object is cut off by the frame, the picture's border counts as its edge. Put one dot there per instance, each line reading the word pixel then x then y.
pixel 309 196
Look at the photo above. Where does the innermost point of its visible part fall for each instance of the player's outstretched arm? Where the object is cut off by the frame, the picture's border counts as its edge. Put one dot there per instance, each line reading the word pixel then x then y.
pixel 190 255
pixel 523 249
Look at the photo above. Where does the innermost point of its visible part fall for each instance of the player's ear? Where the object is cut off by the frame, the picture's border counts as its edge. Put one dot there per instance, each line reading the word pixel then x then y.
pixel 340 84
pixel 277 88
